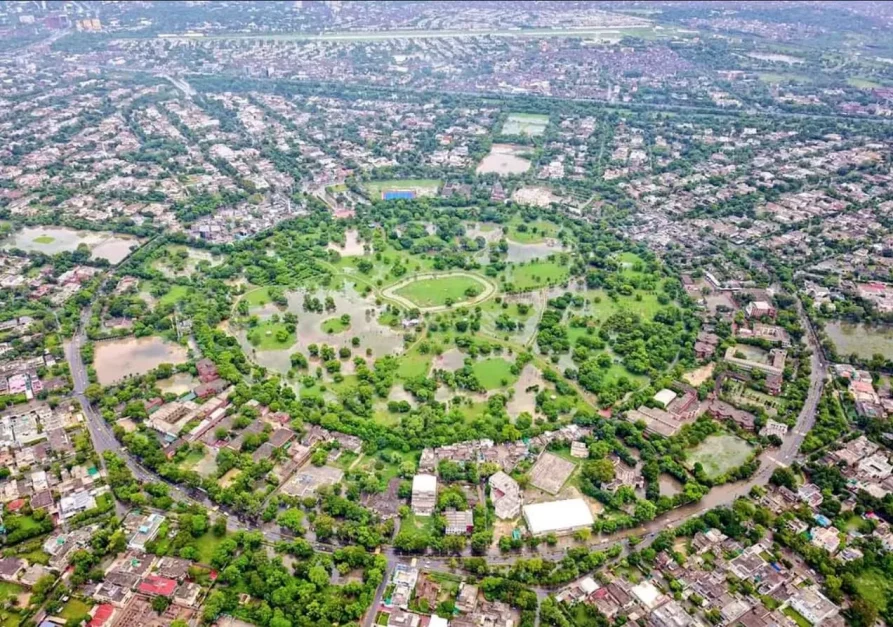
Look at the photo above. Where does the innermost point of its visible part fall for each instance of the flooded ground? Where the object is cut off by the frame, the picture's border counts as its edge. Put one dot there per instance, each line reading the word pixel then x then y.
pixel 363 324
pixel 118 359
pixel 530 252
pixel 353 247
pixel 523 400
pixel 669 485
pixel 862 339
pixel 53 240
pixel 504 159
pixel 180 383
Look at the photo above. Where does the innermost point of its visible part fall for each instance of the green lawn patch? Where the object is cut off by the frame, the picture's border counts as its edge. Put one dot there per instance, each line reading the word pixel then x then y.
pixel 494 373
pixel 414 364
pixel 531 233
pixel 602 307
pixel 206 545
pixel 193 458
pixel 258 297
pixel 536 274
pixel 44 239
pixel 9 590
pixel 873 586
pixel 439 291
pixel 174 295
pixel 74 608
pixel 420 187
pixel 719 454
pixel 335 325
pixel 271 336
pixel 796 616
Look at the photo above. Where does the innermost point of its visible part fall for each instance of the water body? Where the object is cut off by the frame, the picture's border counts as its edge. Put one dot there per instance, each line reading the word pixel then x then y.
pixel 364 324
pixel 528 252
pixel 115 360
pixel 863 339
pixel 53 240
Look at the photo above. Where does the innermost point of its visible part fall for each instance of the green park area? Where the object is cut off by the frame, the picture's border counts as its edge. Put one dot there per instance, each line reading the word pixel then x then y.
pixel 534 232
pixel 271 336
pixel 718 454
pixel 536 274
pixel 44 239
pixel 440 291
pixel 333 326
pixel 874 586
pixel 494 373
pixel 174 295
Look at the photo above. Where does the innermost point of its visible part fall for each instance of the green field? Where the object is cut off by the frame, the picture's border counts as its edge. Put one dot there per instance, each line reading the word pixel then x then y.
pixel 719 454
pixel 44 239
pixel 647 306
pixel 258 297
pixel 494 373
pixel 533 233
pixel 414 364
pixel 334 325
pixel 74 608
pixel 420 186
pixel 265 336
pixel 174 295
pixel 873 585
pixel 530 124
pixel 438 291
pixel 796 616
pixel 206 546
pixel 860 83
pixel 536 274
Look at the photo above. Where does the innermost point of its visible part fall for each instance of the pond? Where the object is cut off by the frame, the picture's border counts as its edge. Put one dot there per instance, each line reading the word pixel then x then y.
pixel 53 240
pixel 504 159
pixel 862 339
pixel 528 252
pixel 117 359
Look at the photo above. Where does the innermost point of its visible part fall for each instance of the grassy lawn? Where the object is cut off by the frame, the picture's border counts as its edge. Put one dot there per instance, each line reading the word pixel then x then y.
pixel 334 325
pixel 36 556
pixel 206 546
pixel 494 373
pixel 267 336
pixel 855 81
pixel 796 616
pixel 646 306
pixel 720 453
pixel 74 608
pixel 414 364
pixel 377 188
pixel 193 458
pixel 174 295
pixel 439 291
pixel 9 590
pixel 536 274
pixel 531 233
pixel 872 585
pixel 44 239
pixel 258 297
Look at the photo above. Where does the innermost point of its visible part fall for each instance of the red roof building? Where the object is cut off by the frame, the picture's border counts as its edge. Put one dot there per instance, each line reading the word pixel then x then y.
pixel 154 585
pixel 101 615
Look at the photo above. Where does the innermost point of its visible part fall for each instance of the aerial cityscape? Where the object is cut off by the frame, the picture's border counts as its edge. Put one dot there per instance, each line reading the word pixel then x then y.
pixel 432 314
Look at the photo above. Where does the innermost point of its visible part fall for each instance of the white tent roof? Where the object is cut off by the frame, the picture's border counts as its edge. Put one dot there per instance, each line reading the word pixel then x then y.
pixel 557 516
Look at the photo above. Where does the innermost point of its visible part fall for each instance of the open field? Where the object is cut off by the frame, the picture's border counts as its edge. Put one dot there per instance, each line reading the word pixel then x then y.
pixel 335 325
pixel 441 291
pixel 872 585
pixel 494 373
pixel 271 336
pixel 536 274
pixel 862 339
pixel 174 295
pixel 504 159
pixel 531 124
pixel 432 292
pixel 719 454
pixel 531 232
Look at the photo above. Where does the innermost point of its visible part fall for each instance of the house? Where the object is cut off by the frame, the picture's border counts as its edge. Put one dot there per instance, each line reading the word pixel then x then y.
pixel 10 568
pixel 146 532
pixel 813 605
pixel 774 428
pixel 759 309
pixel 404 581
pixel 207 370
pixel 505 495
pixel 579 450
pixel 402 618
pixel 664 397
pixel 825 538
pixel 467 600
pixel 424 494
pixel 153 585
pixel 459 522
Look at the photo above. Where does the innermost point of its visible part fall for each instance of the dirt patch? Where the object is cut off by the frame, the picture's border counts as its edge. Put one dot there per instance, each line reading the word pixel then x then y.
pixel 353 247
pixel 697 376
pixel 128 425
pixel 551 472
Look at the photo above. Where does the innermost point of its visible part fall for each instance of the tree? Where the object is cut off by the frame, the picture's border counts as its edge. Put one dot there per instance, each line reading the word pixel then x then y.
pixel 862 613
pixel 160 603
pixel 599 471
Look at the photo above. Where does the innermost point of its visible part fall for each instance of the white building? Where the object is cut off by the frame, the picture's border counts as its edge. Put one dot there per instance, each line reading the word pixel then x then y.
pixel 558 517
pixel 775 428
pixel 424 494
pixel 665 397
pixel 506 496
